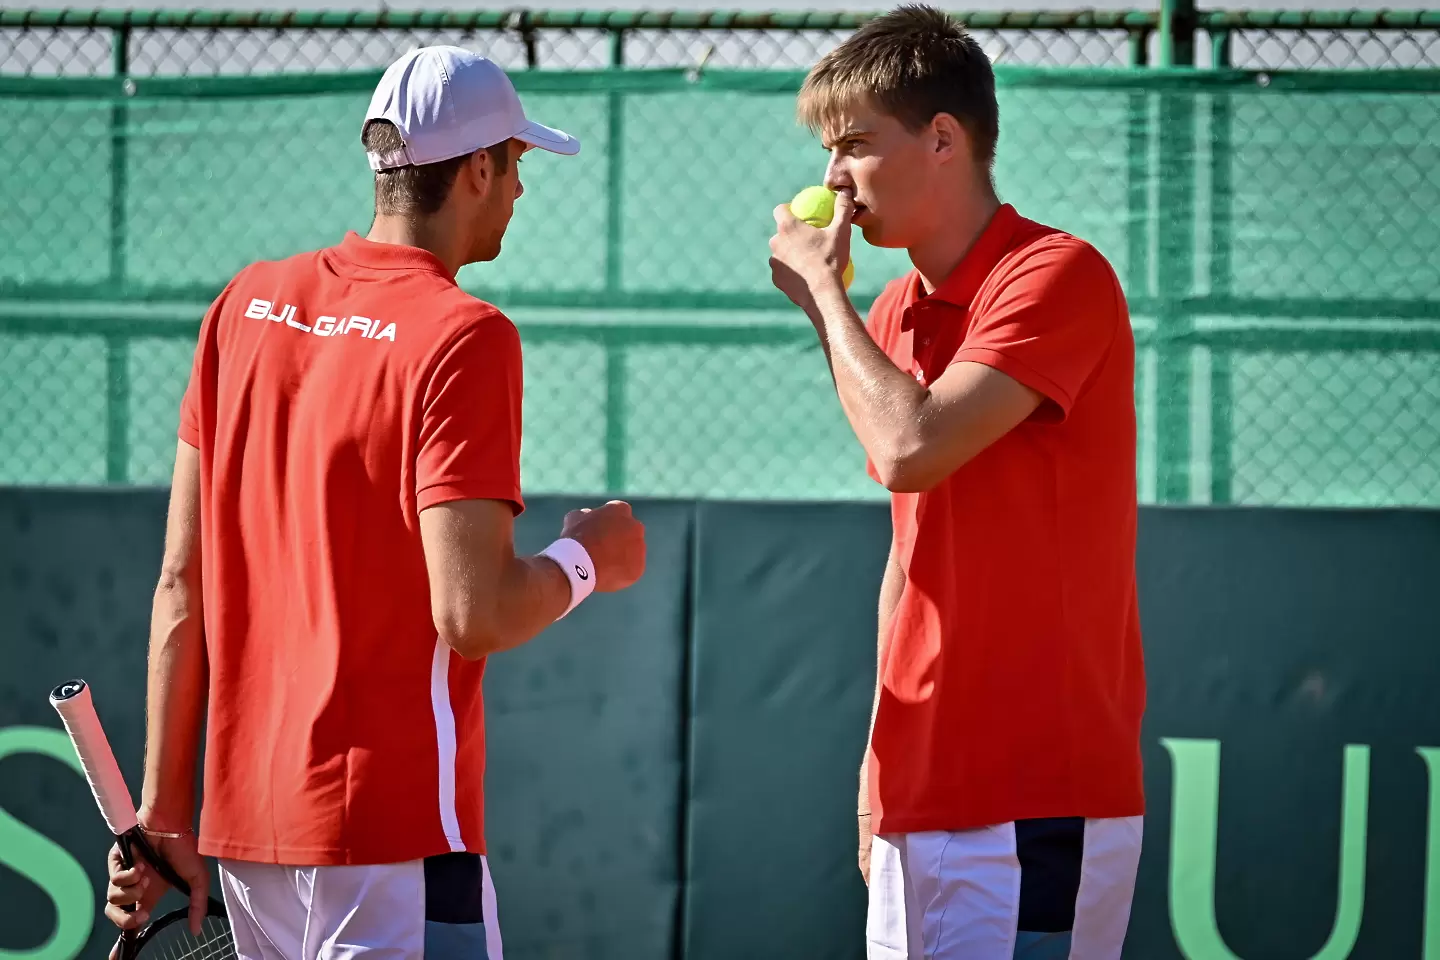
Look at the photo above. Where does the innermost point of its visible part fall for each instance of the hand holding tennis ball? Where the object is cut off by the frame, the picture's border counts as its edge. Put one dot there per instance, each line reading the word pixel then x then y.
pixel 816 206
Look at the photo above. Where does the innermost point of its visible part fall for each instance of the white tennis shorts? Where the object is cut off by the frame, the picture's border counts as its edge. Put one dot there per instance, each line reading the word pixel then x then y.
pixel 376 912
pixel 1052 889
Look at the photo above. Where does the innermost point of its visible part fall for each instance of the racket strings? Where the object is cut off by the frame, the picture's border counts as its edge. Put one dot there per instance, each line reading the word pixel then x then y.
pixel 214 943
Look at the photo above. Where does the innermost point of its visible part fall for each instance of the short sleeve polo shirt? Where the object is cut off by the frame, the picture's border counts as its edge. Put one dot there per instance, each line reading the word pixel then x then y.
pixel 1012 676
pixel 334 396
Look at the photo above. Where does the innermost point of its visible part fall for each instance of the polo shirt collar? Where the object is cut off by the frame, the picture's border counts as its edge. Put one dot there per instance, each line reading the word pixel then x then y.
pixel 965 280
pixel 388 256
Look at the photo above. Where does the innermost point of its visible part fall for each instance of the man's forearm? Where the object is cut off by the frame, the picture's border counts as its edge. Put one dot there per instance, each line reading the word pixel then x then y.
pixel 881 401
pixel 485 599
pixel 891 586
pixel 175 706
pixel 532 595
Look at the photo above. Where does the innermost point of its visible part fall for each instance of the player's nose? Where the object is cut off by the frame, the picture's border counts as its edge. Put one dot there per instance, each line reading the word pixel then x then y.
pixel 837 175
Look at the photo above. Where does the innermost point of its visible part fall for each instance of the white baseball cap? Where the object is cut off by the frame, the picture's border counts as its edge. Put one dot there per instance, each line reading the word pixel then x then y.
pixel 448 102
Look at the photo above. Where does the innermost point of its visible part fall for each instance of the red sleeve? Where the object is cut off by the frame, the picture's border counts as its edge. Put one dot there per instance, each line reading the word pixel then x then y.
pixel 1050 323
pixel 189 413
pixel 469 447
pixel 190 403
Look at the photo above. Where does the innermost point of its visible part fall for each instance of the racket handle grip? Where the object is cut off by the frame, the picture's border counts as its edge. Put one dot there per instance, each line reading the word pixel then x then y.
pixel 77 711
pixel 127 858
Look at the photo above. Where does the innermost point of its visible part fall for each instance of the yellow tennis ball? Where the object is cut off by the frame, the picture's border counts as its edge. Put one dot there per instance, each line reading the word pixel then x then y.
pixel 816 206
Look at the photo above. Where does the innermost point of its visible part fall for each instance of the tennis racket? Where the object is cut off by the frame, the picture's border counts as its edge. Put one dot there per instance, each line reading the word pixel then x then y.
pixel 168 936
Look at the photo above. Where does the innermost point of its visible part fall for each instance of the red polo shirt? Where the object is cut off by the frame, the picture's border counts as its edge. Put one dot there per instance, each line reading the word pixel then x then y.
pixel 1012 677
pixel 334 396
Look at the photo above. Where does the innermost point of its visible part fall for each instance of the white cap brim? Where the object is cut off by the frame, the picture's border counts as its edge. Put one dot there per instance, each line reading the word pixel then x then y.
pixel 548 138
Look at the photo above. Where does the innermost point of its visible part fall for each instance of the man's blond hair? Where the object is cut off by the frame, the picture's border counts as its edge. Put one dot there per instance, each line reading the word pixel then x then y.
pixel 912 63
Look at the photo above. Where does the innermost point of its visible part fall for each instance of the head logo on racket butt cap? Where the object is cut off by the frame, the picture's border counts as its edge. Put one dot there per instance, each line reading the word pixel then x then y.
pixel 67 690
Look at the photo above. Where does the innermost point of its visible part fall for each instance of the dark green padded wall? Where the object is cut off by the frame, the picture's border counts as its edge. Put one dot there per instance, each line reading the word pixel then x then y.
pixel 76 574
pixel 673 769
pixel 583 782
pixel 782 681
pixel 584 724
pixel 1286 636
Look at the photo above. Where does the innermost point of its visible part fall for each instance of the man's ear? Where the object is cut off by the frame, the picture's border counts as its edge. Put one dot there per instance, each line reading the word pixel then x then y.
pixel 949 137
pixel 478 171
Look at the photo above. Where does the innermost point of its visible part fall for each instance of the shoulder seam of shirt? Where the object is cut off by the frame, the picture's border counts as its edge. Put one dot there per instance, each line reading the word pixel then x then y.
pixel 1092 252
pixel 1056 237
pixel 1089 250
pixel 1084 248
pixel 488 312
pixel 1061 239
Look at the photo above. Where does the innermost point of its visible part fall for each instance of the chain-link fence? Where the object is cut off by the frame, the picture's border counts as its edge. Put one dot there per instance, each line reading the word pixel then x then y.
pixel 1275 232
pixel 78 43
pixel 199 43
pixel 1322 40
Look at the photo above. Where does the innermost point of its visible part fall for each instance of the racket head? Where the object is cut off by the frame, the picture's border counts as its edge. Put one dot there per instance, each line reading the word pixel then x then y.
pixel 169 937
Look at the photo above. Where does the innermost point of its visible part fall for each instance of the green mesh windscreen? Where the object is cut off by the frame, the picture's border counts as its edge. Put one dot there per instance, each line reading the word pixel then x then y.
pixel 1276 240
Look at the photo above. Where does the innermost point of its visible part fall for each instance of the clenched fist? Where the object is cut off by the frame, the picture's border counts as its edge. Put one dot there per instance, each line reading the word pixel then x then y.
pixel 615 541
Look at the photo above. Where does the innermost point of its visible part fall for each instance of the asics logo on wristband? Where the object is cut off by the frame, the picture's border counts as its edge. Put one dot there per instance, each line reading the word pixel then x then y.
pixel 575 563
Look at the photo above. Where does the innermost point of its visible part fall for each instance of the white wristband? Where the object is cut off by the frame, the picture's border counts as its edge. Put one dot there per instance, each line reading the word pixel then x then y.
pixel 575 563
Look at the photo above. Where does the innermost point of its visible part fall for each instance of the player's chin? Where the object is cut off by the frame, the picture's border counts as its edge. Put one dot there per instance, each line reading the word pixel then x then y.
pixel 876 235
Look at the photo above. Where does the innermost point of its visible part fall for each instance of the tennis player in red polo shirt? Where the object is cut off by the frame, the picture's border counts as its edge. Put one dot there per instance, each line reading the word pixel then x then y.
pixel 340 560
pixel 993 392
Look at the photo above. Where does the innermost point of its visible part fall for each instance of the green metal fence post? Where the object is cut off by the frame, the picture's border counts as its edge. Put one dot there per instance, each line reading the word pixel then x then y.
pixel 615 144
pixel 1138 136
pixel 119 116
pixel 1138 47
pixel 615 353
pixel 1175 254
pixel 528 40
pixel 1222 242
pixel 117 409
pixel 616 374
pixel 1177 33
pixel 117 349
pixel 1220 46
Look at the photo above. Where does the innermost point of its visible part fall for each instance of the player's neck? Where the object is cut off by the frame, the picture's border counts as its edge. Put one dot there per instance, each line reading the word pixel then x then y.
pixel 960 226
pixel 427 233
